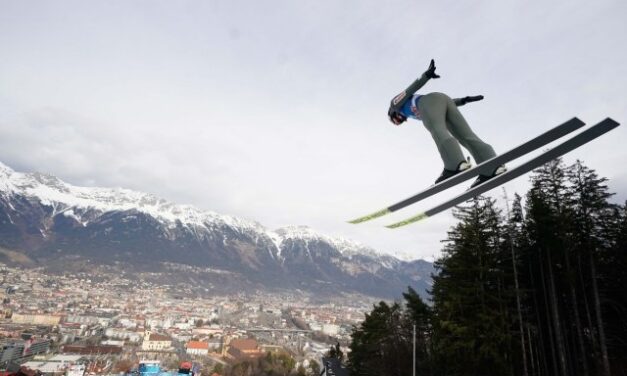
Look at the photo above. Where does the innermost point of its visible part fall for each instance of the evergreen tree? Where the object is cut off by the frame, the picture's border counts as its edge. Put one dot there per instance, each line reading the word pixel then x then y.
pixel 593 219
pixel 272 364
pixel 547 224
pixel 515 240
pixel 542 293
pixel 613 271
pixel 569 241
pixel 381 344
pixel 471 322
pixel 418 314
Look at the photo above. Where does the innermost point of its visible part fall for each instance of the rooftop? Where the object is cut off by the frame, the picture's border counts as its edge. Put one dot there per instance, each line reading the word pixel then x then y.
pixel 244 344
pixel 197 345
pixel 158 337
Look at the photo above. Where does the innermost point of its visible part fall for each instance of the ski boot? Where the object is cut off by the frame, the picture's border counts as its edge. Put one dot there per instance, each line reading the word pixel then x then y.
pixel 483 178
pixel 461 167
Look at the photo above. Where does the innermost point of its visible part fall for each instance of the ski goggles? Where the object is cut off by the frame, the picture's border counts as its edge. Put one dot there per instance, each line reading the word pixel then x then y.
pixel 396 118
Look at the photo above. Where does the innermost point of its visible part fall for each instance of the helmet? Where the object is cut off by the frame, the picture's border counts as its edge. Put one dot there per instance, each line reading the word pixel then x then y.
pixel 396 117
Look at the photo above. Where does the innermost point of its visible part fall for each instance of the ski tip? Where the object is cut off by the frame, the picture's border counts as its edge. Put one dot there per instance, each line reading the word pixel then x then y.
pixel 408 221
pixel 578 122
pixel 368 217
pixel 613 123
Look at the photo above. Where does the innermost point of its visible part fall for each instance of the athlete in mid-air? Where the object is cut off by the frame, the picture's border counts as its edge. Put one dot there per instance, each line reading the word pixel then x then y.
pixel 449 129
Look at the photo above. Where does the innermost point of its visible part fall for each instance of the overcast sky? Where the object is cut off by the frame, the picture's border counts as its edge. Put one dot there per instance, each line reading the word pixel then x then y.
pixel 276 111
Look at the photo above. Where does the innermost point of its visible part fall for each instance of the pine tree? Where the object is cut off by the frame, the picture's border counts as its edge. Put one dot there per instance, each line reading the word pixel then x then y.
pixel 613 279
pixel 542 293
pixel 515 242
pixel 592 221
pixel 471 323
pixel 547 224
pixel 381 344
pixel 419 314
pixel 568 229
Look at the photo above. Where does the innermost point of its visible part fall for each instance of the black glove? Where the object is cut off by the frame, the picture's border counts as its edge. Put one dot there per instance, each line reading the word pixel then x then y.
pixel 476 98
pixel 430 72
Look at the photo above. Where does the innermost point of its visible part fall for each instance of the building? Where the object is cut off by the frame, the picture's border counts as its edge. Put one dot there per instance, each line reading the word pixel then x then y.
pixel 102 318
pixel 19 349
pixel 35 319
pixel 34 347
pixel 11 352
pixel 243 348
pixel 215 345
pixel 156 342
pixel 56 365
pixel 271 348
pixel 208 330
pixel 75 370
pixel 113 342
pixel 330 329
pixel 123 334
pixel 92 349
pixel 197 348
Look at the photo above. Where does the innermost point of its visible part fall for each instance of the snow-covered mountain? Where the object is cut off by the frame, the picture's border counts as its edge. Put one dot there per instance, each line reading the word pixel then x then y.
pixel 64 198
pixel 46 218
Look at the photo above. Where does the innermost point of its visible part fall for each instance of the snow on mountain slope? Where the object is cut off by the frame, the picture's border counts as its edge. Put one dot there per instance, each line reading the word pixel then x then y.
pixel 73 201
pixel 47 218
pixel 346 247
pixel 51 191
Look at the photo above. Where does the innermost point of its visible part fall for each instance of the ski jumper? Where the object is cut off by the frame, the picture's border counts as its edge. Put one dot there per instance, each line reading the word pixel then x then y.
pixel 442 118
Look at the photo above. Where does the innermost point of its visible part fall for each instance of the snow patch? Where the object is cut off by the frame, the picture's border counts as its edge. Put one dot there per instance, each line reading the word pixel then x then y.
pixel 74 201
pixel 277 240
pixel 70 214
pixel 51 191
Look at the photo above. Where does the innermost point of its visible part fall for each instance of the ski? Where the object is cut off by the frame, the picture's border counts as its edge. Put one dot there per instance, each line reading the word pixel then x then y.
pixel 563 148
pixel 486 167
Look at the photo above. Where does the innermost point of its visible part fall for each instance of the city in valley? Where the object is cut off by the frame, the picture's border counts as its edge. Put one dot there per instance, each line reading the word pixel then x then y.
pixel 92 323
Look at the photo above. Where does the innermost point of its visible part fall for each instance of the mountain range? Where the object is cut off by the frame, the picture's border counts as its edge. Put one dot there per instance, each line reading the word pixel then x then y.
pixel 48 222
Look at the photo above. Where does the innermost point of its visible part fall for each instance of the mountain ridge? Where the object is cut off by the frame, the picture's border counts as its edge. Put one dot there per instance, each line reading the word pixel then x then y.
pixel 47 217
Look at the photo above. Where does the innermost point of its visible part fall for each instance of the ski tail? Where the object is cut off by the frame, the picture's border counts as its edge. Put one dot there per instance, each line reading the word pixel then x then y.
pixel 567 146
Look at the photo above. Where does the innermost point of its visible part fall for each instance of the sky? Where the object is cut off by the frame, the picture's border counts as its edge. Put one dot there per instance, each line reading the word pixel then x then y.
pixel 276 111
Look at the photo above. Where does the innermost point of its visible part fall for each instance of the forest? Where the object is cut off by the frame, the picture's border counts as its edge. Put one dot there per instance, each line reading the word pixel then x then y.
pixel 535 286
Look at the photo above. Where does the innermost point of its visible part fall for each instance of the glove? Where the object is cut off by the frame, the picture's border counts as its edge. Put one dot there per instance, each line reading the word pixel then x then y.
pixel 396 117
pixel 476 98
pixel 430 72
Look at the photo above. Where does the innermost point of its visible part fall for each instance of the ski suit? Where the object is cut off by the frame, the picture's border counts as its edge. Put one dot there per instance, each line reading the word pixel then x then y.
pixel 442 118
pixel 449 129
